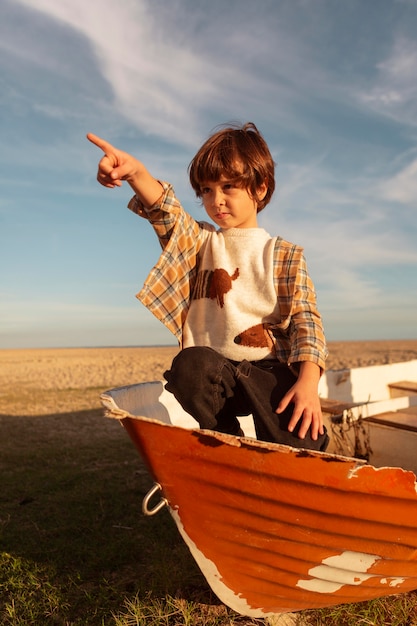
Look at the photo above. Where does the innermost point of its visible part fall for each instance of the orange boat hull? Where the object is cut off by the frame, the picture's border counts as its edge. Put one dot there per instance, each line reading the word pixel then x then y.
pixel 277 529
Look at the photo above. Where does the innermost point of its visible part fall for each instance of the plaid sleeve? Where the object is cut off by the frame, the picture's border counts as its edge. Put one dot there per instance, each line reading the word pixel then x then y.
pixel 162 215
pixel 299 335
pixel 167 289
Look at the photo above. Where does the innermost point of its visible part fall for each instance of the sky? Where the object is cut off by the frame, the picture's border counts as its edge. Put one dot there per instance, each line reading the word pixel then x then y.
pixel 331 85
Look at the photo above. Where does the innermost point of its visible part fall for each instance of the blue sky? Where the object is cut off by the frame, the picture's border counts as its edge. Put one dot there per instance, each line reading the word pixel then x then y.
pixel 331 85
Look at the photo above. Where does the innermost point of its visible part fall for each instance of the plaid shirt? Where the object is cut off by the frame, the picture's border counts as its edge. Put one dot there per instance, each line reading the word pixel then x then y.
pixel 167 291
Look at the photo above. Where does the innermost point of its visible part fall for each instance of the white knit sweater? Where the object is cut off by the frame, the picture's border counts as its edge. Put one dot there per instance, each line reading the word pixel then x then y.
pixel 234 295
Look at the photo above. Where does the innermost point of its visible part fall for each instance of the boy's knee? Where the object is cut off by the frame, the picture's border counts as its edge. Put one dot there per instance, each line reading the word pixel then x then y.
pixel 190 363
pixel 190 358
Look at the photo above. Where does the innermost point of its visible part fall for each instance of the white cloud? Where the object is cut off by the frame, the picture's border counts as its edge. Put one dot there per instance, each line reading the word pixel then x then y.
pixel 337 214
pixel 394 89
pixel 156 83
pixel 401 187
pixel 169 67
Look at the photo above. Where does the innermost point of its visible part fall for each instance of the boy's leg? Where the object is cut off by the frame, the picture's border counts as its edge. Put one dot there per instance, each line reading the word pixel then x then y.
pixel 265 383
pixel 214 391
pixel 204 383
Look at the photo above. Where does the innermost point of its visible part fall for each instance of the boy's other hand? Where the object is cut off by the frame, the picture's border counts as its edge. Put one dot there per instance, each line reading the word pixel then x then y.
pixel 304 396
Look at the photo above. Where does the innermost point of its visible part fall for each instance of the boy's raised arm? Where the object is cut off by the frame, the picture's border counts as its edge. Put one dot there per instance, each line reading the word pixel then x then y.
pixel 116 166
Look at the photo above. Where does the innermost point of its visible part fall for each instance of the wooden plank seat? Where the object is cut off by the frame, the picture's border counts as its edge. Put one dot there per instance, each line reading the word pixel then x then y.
pixel 403 388
pixel 405 419
pixel 336 407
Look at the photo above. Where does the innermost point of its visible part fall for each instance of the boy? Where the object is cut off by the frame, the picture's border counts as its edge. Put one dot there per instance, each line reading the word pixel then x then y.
pixel 240 302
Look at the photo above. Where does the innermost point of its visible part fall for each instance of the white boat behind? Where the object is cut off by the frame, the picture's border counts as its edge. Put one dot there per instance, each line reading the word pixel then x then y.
pixel 373 410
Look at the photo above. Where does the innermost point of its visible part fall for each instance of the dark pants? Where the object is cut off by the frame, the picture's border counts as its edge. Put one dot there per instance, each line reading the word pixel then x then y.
pixel 215 390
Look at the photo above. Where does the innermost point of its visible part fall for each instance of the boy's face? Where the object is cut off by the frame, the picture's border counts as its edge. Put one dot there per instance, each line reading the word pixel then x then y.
pixel 230 206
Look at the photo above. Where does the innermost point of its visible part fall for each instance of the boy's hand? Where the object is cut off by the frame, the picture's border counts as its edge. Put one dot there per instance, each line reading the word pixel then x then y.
pixel 116 165
pixel 303 394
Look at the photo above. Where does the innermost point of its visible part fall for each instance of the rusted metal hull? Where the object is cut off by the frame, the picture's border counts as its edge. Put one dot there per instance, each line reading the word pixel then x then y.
pixel 275 529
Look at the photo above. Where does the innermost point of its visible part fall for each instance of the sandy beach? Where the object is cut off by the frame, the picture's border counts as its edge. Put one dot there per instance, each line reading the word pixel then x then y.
pixel 45 381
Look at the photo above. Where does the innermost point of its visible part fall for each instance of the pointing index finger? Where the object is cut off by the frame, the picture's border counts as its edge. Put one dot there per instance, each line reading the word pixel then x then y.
pixel 101 143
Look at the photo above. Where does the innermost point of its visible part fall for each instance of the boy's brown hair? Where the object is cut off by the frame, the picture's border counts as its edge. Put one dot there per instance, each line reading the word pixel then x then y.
pixel 240 154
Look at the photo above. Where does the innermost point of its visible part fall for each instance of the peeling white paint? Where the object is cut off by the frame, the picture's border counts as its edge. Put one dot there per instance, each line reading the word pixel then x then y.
pixel 358 561
pixel 347 568
pixel 392 582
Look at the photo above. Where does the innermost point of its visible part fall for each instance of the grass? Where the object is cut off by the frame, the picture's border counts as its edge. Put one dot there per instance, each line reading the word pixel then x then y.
pixel 389 611
pixel 75 549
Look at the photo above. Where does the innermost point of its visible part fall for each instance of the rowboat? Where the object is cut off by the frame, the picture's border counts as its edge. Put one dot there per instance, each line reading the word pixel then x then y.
pixel 276 529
